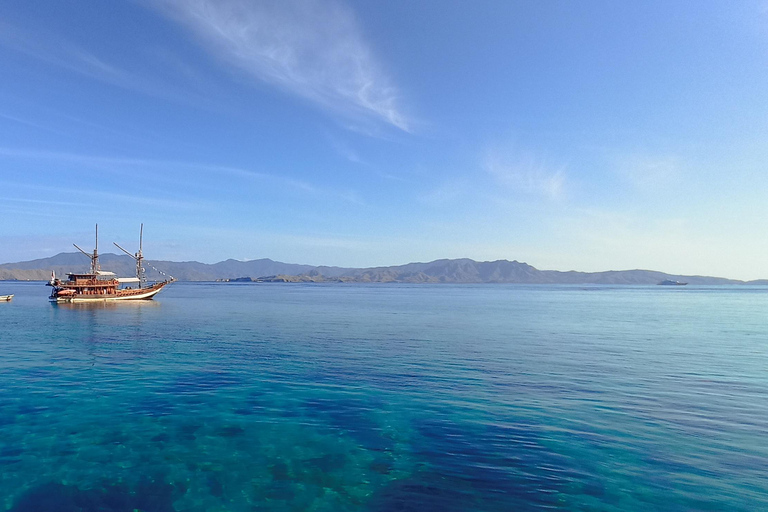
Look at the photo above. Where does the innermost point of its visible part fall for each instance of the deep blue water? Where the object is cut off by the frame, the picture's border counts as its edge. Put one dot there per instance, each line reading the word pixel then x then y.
pixel 243 397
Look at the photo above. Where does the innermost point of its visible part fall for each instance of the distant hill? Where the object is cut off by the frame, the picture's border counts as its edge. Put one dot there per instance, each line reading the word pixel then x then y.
pixel 503 271
pixel 439 271
pixel 123 265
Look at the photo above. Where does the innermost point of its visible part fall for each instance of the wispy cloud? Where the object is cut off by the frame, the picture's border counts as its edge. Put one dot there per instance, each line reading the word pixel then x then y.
pixel 344 150
pixel 526 174
pixel 350 154
pixel 44 202
pixel 62 53
pixel 65 55
pixel 119 165
pixel 26 122
pixel 311 48
pixel 98 197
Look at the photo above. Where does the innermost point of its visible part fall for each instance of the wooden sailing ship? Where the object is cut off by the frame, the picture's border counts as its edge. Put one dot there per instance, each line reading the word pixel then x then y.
pixel 101 286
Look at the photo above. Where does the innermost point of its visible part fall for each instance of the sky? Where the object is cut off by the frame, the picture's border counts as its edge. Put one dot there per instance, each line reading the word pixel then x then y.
pixel 593 135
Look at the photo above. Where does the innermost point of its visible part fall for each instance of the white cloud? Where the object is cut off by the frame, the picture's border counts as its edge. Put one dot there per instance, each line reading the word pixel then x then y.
pixel 311 48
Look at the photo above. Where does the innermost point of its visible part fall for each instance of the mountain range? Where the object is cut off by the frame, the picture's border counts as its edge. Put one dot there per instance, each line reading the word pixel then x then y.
pixel 439 271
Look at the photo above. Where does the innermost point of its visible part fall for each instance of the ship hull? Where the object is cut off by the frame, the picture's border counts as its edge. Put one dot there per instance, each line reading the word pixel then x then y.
pixel 121 295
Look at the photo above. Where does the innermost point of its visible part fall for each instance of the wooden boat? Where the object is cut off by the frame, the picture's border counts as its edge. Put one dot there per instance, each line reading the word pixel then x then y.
pixel 5 298
pixel 101 286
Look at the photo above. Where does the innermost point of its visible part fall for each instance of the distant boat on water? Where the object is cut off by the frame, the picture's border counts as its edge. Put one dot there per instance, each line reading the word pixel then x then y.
pixel 5 298
pixel 101 286
pixel 669 282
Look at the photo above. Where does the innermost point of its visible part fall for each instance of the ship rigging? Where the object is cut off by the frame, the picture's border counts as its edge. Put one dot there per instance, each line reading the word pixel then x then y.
pixel 99 286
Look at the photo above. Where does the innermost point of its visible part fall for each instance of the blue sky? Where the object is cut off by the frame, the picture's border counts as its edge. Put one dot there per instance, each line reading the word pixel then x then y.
pixel 590 135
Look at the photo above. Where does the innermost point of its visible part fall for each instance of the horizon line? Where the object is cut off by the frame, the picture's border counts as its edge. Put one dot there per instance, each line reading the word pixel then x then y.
pixel 404 264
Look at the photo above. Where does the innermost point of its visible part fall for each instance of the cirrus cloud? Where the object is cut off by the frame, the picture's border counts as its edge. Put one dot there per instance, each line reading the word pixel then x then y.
pixel 314 49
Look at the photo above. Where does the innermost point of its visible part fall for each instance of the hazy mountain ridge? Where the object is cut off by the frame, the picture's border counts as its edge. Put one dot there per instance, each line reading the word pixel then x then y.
pixel 124 265
pixel 439 271
pixel 503 271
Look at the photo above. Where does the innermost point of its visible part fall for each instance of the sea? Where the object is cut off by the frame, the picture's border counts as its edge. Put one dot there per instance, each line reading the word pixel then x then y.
pixel 386 397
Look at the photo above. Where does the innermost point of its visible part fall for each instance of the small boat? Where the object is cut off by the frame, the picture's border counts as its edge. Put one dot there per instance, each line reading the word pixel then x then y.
pixel 5 298
pixel 101 286
pixel 669 282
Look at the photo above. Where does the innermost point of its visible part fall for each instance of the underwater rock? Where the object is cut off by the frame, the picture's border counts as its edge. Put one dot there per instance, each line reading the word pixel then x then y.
pixel 147 494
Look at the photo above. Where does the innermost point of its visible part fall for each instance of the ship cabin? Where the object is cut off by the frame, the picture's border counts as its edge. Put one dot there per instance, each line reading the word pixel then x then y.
pixel 101 283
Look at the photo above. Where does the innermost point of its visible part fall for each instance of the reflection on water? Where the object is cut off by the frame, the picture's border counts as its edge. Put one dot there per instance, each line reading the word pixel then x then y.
pixel 107 304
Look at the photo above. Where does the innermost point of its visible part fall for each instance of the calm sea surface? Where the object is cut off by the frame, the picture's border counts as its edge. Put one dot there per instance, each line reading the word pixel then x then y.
pixel 243 397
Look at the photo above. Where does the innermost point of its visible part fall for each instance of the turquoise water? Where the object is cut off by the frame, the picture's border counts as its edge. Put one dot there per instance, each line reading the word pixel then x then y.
pixel 243 397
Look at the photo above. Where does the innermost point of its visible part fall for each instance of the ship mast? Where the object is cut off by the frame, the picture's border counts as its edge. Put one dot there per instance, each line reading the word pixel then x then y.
pixel 139 257
pixel 95 257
